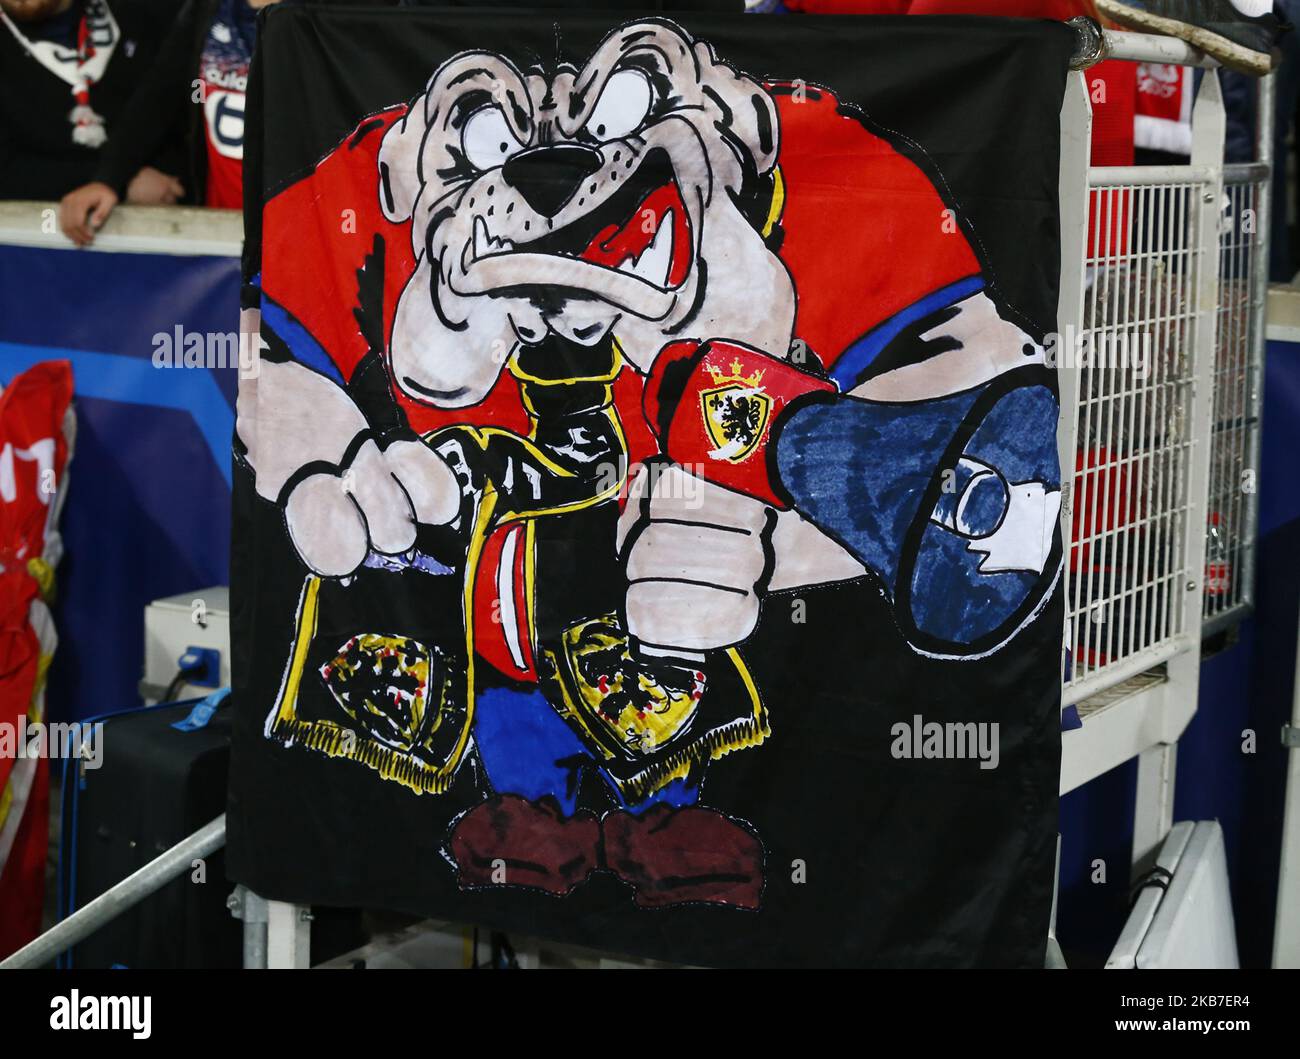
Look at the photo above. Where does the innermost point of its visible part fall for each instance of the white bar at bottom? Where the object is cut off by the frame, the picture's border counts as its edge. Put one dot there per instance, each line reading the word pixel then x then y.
pixel 288 936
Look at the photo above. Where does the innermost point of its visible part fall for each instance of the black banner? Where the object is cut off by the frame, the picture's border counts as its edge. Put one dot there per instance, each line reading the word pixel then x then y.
pixel 646 508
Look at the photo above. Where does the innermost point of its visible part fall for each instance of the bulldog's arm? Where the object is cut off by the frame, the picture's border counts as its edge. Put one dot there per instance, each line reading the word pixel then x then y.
pixel 312 453
pixel 958 527
pixel 982 345
pixel 844 473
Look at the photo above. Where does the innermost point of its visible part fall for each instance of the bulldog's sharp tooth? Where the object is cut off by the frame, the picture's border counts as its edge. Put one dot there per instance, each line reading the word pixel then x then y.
pixel 482 240
pixel 653 265
pixel 506 246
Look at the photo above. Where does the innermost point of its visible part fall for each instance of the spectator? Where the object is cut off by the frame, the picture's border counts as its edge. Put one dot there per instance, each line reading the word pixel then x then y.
pixel 67 69
pixel 1241 34
pixel 1239 96
pixel 203 65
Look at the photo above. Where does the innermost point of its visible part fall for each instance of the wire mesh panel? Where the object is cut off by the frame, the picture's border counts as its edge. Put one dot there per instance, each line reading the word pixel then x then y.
pixel 1127 599
pixel 1230 520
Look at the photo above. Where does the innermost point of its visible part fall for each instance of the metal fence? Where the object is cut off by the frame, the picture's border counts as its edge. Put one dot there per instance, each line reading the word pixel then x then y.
pixel 1162 412
pixel 1234 443
pixel 1128 557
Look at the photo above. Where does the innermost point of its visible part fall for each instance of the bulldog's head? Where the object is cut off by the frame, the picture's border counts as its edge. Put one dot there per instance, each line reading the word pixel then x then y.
pixel 633 196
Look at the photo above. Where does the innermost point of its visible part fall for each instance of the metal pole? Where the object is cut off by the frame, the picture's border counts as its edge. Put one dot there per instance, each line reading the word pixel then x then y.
pixel 1247 173
pixel 1089 44
pixel 1152 48
pixel 1075 151
pixel 1054 959
pixel 251 910
pixel 1264 134
pixel 1153 812
pixel 1286 927
pixel 118 899
pixel 1126 176
pixel 1095 45
pixel 254 946
pixel 1209 127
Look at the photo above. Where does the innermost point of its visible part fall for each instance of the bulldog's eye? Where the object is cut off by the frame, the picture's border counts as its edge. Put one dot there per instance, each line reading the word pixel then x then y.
pixel 486 139
pixel 622 106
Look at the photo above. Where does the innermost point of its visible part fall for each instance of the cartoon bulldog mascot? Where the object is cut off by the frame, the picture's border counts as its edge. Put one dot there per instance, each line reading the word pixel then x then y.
pixel 549 417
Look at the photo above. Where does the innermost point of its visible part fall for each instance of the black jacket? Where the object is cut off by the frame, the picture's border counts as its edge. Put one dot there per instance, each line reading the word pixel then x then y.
pixel 166 98
pixel 163 103
pixel 38 159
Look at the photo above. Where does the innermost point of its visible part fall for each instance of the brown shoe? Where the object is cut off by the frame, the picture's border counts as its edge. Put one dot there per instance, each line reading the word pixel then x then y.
pixel 674 856
pixel 510 841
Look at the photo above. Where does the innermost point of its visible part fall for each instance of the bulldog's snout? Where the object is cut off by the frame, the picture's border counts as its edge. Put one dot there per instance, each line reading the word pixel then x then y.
pixel 548 177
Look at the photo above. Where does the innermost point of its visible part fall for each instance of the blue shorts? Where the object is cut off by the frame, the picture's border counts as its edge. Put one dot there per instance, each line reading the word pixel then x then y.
pixel 528 750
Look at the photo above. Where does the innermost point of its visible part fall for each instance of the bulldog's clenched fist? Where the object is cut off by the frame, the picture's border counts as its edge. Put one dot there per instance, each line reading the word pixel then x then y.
pixel 343 497
pixel 374 503
pixel 696 556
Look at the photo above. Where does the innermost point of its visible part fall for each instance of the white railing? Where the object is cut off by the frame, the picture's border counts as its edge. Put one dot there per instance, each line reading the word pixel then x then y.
pixel 1141 320
pixel 1163 282
pixel 1233 504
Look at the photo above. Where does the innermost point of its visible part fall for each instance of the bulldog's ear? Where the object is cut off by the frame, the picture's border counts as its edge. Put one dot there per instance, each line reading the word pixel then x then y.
pixel 399 170
pixel 750 113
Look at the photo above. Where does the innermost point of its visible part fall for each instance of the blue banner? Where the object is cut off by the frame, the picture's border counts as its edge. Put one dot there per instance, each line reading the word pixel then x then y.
pixel 148 509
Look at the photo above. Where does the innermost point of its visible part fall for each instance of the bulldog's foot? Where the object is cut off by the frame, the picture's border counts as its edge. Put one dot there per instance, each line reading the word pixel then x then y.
pixel 510 841
pixel 675 856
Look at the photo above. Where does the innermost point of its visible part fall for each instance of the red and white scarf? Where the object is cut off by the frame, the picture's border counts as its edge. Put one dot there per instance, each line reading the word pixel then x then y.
pixel 79 67
pixel 1163 121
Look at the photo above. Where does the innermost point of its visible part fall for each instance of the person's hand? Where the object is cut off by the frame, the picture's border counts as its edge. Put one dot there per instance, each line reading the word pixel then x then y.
pixel 82 212
pixel 153 187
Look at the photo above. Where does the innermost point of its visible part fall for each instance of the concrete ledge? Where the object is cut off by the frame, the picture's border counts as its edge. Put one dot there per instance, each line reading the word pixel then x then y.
pixel 181 230
pixel 1283 315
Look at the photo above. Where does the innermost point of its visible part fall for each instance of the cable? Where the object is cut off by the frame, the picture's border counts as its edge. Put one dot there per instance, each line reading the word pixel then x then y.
pixel 179 681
